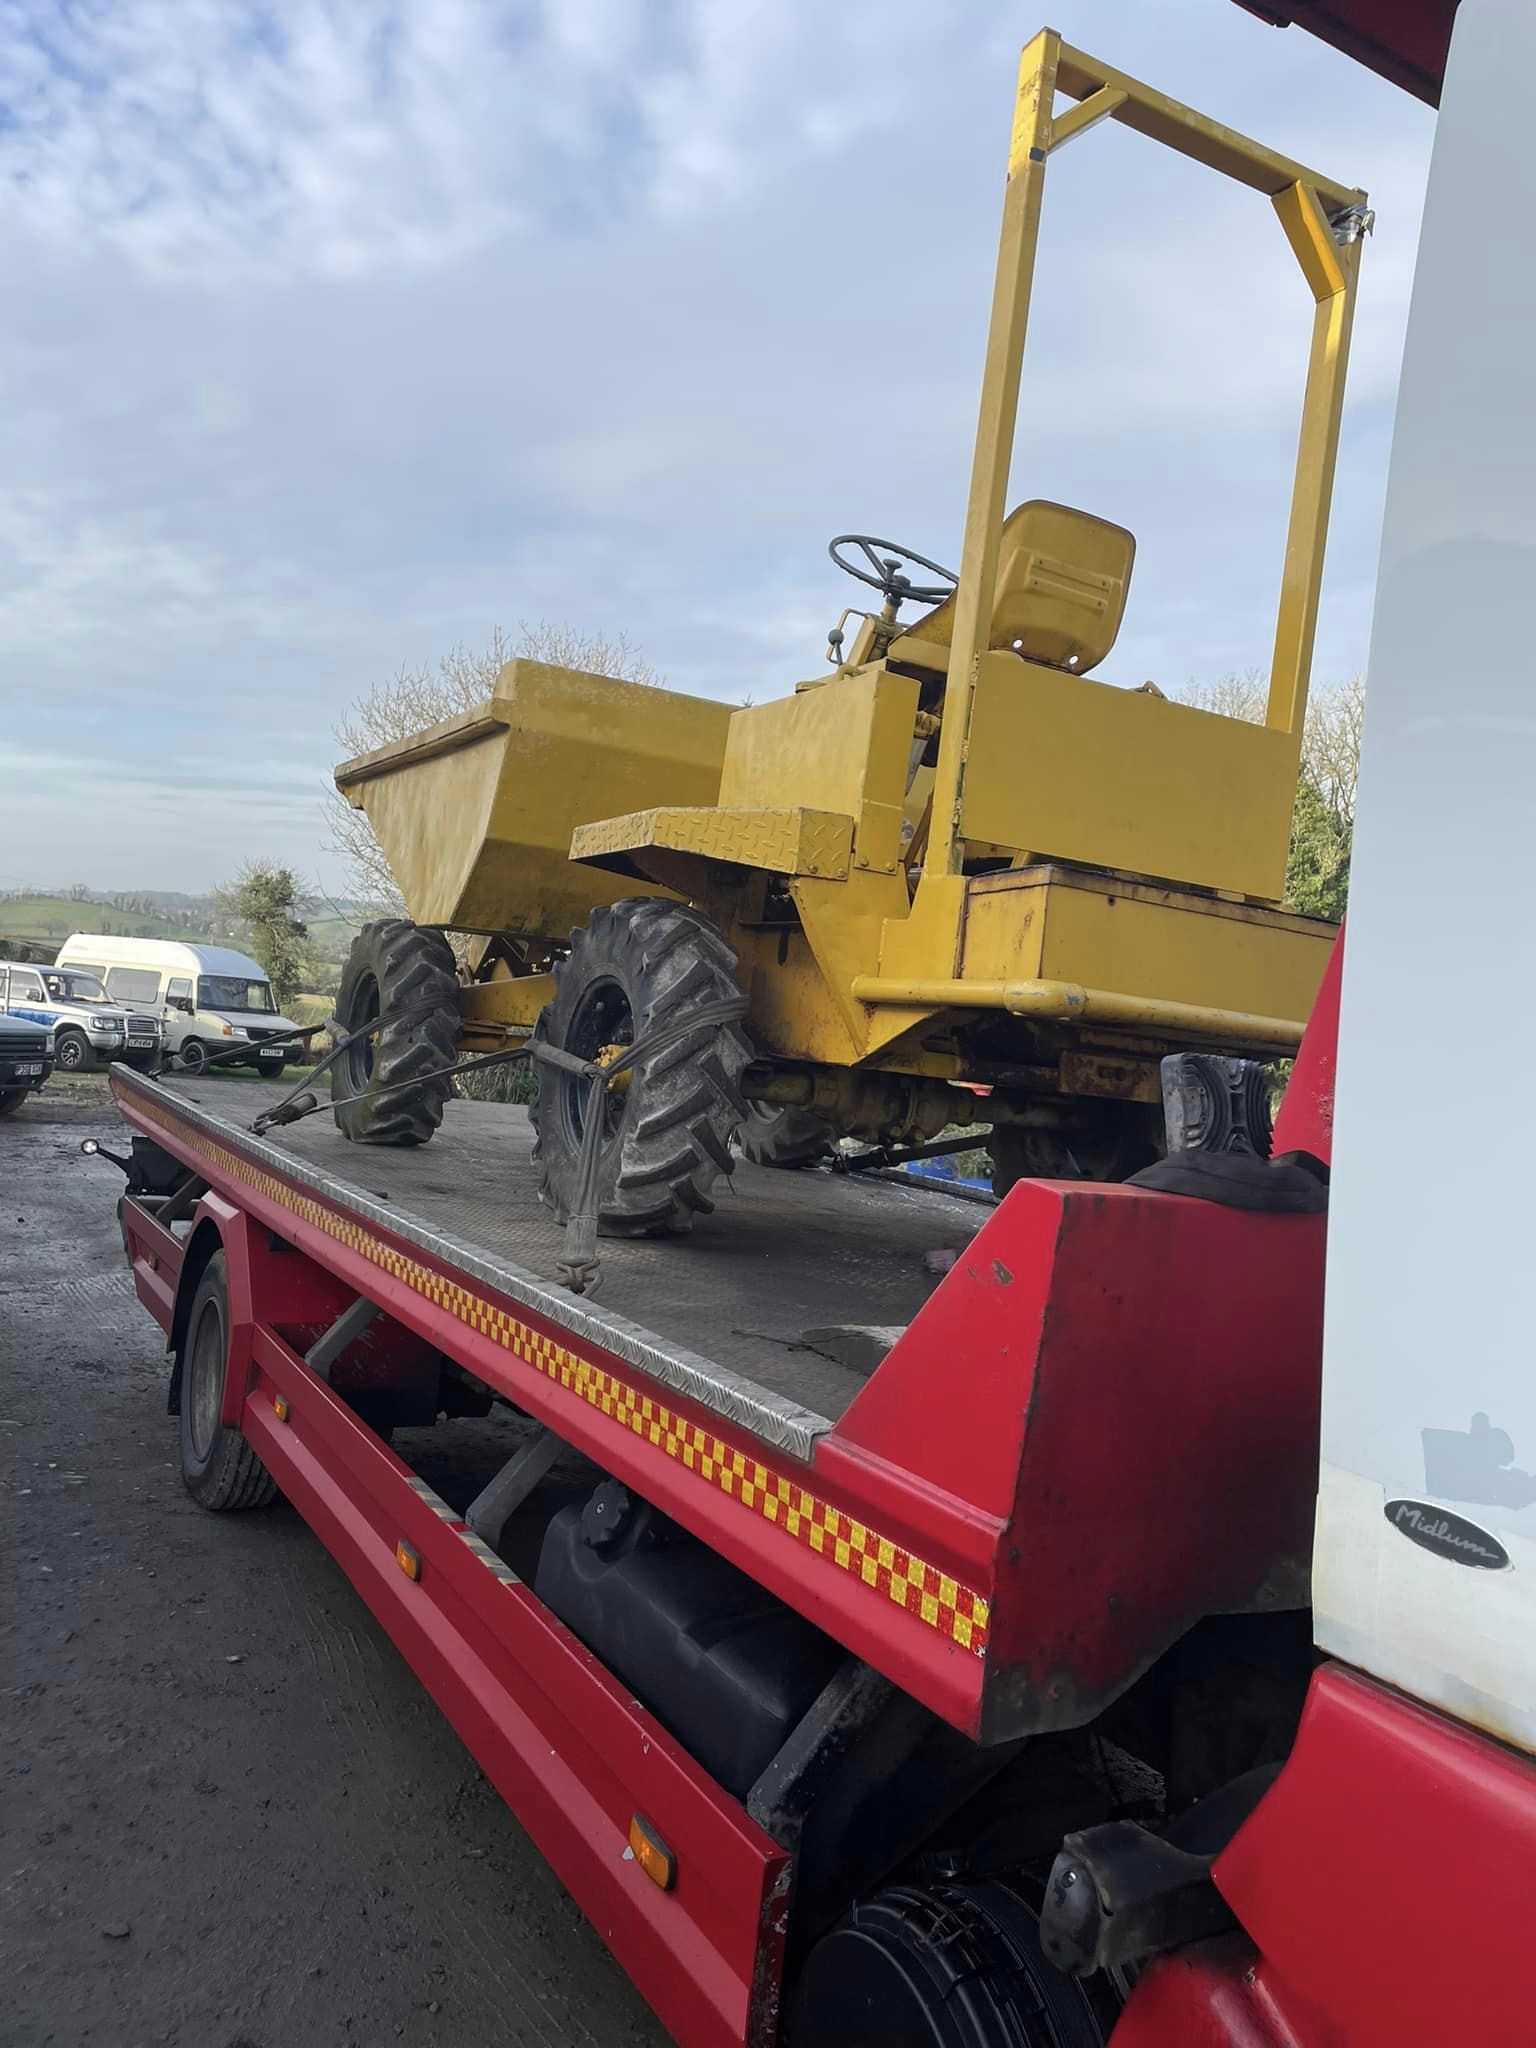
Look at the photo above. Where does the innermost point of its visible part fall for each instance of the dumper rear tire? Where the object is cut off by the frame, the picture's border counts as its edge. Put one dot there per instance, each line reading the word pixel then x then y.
pixel 635 969
pixel 1125 1142
pixel 218 1467
pixel 786 1137
pixel 396 966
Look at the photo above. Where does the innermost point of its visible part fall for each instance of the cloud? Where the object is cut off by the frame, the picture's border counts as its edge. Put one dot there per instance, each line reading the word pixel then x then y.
pixel 233 139
pixel 336 334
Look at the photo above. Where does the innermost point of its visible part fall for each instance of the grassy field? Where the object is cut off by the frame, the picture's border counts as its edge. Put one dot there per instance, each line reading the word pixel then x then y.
pixel 49 920
pixel 55 917
pixel 333 936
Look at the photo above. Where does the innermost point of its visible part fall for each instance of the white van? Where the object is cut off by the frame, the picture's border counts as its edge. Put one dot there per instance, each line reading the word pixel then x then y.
pixel 209 998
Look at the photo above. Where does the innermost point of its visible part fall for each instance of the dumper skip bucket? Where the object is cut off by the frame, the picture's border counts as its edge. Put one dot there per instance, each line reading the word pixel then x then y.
pixel 475 815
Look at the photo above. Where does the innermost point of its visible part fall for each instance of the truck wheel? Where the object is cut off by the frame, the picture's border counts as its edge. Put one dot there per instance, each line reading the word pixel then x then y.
pixel 11 1099
pixel 394 965
pixel 72 1051
pixel 220 1469
pixel 193 1055
pixel 958 1966
pixel 785 1136
pixel 636 968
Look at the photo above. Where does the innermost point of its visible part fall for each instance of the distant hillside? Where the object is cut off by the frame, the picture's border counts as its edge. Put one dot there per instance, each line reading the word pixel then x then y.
pixel 55 917
pixel 46 921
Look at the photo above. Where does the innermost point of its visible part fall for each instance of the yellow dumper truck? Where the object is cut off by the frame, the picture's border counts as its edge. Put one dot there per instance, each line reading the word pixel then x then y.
pixel 958 877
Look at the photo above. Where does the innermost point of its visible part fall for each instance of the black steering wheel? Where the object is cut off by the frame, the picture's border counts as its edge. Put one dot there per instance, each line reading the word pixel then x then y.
pixel 885 570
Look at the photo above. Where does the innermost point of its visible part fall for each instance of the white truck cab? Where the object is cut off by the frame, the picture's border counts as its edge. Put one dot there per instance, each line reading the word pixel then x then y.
pixel 87 1025
pixel 208 999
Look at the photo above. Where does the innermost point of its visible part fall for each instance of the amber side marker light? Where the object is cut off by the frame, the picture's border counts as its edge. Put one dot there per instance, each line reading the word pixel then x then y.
pixel 280 1407
pixel 652 1853
pixel 409 1560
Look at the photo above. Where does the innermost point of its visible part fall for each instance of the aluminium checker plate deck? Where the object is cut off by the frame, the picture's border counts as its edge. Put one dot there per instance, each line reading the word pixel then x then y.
pixel 871 1583
pixel 724 1309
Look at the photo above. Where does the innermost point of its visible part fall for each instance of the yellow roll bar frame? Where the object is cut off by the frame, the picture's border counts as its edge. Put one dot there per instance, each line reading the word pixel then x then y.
pixel 1322 222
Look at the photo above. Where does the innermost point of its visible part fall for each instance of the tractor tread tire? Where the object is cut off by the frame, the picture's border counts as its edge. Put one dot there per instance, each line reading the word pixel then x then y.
pixel 409 966
pixel 787 1137
pixel 684 1104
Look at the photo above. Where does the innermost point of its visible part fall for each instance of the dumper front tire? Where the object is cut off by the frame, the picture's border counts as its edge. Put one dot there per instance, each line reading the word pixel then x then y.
pixel 218 1467
pixel 636 969
pixel 395 967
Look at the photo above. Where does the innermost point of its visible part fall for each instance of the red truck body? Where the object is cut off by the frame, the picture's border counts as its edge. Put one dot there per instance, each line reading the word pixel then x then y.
pixel 999 1521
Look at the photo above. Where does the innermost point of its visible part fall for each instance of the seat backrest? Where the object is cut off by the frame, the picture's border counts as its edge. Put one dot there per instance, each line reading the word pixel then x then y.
pixel 1062 579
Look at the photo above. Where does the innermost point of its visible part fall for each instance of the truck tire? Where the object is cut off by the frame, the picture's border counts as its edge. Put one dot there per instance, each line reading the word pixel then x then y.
pixel 954 1966
pixel 635 968
pixel 11 1099
pixel 72 1051
pixel 787 1136
pixel 218 1467
pixel 193 1055
pixel 394 965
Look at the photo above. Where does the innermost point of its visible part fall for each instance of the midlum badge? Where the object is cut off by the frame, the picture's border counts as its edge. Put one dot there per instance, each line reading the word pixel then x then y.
pixel 1446 1535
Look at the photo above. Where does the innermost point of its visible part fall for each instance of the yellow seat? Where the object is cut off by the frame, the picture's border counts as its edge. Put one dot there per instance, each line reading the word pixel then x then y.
pixel 1062 578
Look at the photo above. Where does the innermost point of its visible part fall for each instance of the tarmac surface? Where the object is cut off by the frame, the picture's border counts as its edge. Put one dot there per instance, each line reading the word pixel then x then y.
pixel 231 1817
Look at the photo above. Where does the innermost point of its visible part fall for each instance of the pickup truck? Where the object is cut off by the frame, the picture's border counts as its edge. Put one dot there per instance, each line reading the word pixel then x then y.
pixel 87 1026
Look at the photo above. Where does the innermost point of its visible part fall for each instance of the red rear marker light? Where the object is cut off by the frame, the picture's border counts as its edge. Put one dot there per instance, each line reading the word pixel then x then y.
pixel 652 1853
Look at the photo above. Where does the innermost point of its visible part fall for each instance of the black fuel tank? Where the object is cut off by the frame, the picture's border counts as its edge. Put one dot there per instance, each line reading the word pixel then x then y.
pixel 724 1666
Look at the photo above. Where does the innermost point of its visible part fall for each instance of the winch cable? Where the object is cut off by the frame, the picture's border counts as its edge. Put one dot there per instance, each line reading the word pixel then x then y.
pixel 579 1267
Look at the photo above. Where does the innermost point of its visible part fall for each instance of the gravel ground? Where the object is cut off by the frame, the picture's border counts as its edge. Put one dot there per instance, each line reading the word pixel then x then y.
pixel 231 1818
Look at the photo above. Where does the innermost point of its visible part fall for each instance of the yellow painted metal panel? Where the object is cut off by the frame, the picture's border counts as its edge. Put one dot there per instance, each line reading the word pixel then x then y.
pixel 784 842
pixel 1077 770
pixel 1003 938
pixel 475 816
pixel 1163 944
pixel 842 747
pixel 453 774
pixel 1184 950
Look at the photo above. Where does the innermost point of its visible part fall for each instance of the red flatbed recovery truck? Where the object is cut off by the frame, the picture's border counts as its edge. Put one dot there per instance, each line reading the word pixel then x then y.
pixel 927 1657
pixel 985 1519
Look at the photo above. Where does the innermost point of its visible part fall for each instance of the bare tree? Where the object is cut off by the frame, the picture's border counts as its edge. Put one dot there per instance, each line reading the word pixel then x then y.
pixel 1330 743
pixel 1322 828
pixel 424 696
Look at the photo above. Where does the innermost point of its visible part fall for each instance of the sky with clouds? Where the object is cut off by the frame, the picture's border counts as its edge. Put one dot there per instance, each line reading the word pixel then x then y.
pixel 339 331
